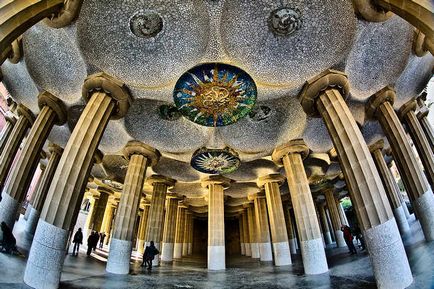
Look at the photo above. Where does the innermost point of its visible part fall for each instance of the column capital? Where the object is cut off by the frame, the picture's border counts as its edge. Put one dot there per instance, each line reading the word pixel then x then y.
pixel 378 145
pixel 367 10
pixel 216 180
pixel 10 117
pixel 423 112
pixel 378 98
pixel 171 195
pixel 271 178
pixel 103 190
pixel 47 99
pixel 25 112
pixel 66 15
pixel 54 148
pixel 313 87
pixel 407 107
pixel 333 154
pixel 135 147
pixel 296 146
pixel 117 90
pixel 98 156
pixel 258 195
pixel 159 179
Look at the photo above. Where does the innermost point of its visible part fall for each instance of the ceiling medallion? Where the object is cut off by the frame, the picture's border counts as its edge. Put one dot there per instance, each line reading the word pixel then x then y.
pixel 215 94
pixel 285 21
pixel 215 161
pixel 146 24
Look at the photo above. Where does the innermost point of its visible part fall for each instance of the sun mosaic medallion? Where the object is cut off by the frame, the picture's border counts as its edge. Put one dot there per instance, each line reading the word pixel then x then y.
pixel 215 161
pixel 215 94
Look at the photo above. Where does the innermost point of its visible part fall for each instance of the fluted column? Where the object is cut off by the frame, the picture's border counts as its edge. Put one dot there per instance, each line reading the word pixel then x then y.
pixel 241 232
pixel 253 231
pixel 190 235
pixel 107 99
pixel 246 233
pixel 169 229
pixel 334 216
pixel 415 182
pixel 99 210
pixel 342 214
pixel 398 191
pixel 262 227
pixel 107 221
pixel 186 234
pixel 324 96
pixel 89 220
pixel 279 235
pixel 42 190
pixel 312 249
pixel 25 120
pixel 216 221
pixel 390 186
pixel 326 229
pixel 140 156
pixel 290 229
pixel 426 126
pixel 179 231
pixel 7 130
pixel 141 236
pixel 35 189
pixel 408 115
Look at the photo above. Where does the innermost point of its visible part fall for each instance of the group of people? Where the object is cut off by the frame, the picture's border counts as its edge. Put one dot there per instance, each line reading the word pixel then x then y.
pixel 92 241
pixel 348 237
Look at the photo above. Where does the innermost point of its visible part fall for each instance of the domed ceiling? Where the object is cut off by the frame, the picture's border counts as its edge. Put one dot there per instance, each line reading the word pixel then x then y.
pixel 150 44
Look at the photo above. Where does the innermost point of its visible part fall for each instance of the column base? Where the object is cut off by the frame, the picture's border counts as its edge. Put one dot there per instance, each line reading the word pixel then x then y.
pixel 118 261
pixel 8 211
pixel 190 248
pixel 282 255
pixel 167 252
pixel 387 254
pixel 177 251
pixel 340 241
pixel 293 246
pixel 255 250
pixel 140 246
pixel 184 249
pixel 406 212
pixel 156 261
pixel 243 249
pixel 314 258
pixel 328 238
pixel 265 252
pixel 424 206
pixel 401 220
pixel 216 258
pixel 46 257
pixel 32 221
pixel 27 213
pixel 248 249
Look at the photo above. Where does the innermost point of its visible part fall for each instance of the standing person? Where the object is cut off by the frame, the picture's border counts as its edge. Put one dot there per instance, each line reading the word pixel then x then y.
pixel 349 239
pixel 101 239
pixel 90 243
pixel 95 240
pixel 149 255
pixel 8 242
pixel 78 240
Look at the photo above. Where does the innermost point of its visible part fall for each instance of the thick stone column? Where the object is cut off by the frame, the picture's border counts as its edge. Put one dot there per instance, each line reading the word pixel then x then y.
pixel 342 214
pixel 154 227
pixel 279 235
pixel 246 233
pixel 291 155
pixel 415 182
pixel 25 120
pixel 35 189
pixel 216 221
pixel 241 232
pixel 99 210
pixel 89 220
pixel 292 238
pixel 141 156
pixel 107 99
pixel 7 130
pixel 107 221
pixel 190 236
pixel 169 229
pixel 326 229
pixel 426 126
pixel 398 191
pixel 141 236
pixel 42 190
pixel 335 218
pixel 408 115
pixel 324 96
pixel 186 230
pixel 179 231
pixel 265 252
pixel 253 232
pixel 390 186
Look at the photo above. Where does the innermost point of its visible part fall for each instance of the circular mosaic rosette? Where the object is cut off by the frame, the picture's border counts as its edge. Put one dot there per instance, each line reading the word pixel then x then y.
pixel 215 161
pixel 215 94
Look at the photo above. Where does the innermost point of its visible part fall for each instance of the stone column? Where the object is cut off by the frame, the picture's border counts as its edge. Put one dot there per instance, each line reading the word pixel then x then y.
pixel 90 214
pixel 169 229
pixel 141 236
pixel 35 189
pixel 241 232
pixel 342 214
pixel 253 232
pixel 154 227
pixel 279 235
pixel 334 215
pixel 415 182
pixel 291 155
pixel 107 221
pixel 262 228
pixel 141 156
pixel 426 126
pixel 216 221
pixel 326 229
pixel 107 99
pixel 408 115
pixel 246 233
pixel 390 186
pixel 7 130
pixel 186 230
pixel 324 96
pixel 292 239
pixel 42 190
pixel 398 191
pixel 190 236
pixel 99 210
pixel 179 231
pixel 25 120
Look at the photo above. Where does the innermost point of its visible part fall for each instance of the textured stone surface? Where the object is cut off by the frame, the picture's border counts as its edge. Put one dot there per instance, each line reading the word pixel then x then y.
pixel 8 210
pixel 314 259
pixel 401 220
pixel 118 261
pixel 292 246
pixel 167 250
pixel 32 221
pixel 216 258
pixel 282 255
pixel 424 205
pixel 265 252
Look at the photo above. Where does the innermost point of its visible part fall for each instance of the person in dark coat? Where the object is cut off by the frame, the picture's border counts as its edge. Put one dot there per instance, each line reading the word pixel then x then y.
pixel 95 240
pixel 78 240
pixel 101 239
pixel 149 255
pixel 90 241
pixel 349 239
pixel 8 242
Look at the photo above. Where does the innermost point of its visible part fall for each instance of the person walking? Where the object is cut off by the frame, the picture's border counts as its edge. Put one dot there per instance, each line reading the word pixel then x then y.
pixel 149 255
pixel 78 240
pixel 349 239
pixel 95 240
pixel 101 239
pixel 90 241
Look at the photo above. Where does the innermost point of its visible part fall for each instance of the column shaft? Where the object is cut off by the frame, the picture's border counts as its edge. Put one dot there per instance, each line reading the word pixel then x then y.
pixel 141 236
pixel 107 222
pixel 334 215
pixel 186 235
pixel 290 229
pixel 263 229
pixel 179 232
pixel 6 132
pixel 325 225
pixel 99 212
pixel 246 232
pixel 253 232
pixel 216 228
pixel 426 126
pixel 169 230
pixel 241 232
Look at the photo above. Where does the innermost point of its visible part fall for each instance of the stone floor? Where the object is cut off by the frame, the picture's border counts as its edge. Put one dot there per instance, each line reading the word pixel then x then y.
pixel 346 271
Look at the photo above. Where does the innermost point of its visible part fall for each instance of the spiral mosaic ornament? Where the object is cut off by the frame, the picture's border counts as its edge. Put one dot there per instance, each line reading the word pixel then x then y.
pixel 215 161
pixel 215 94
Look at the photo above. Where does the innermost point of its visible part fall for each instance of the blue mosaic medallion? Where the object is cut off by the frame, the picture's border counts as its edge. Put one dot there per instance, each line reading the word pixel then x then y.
pixel 215 94
pixel 215 161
